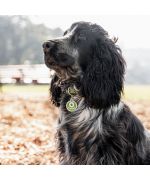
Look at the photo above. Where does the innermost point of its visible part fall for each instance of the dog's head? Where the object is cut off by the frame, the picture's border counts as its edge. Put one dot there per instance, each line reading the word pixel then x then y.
pixel 87 53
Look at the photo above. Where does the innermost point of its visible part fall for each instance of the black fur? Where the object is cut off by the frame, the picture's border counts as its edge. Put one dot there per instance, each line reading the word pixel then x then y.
pixel 55 91
pixel 102 130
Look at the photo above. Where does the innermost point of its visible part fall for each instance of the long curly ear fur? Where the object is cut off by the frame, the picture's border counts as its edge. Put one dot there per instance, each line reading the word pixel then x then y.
pixel 55 91
pixel 102 82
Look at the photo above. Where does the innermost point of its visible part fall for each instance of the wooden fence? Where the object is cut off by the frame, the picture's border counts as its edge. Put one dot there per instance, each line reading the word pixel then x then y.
pixel 37 74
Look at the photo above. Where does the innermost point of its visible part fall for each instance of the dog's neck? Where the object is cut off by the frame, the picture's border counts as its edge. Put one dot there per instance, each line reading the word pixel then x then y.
pixel 70 83
pixel 71 93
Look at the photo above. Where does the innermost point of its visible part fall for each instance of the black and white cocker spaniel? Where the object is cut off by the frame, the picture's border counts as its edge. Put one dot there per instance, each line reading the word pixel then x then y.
pixel 95 126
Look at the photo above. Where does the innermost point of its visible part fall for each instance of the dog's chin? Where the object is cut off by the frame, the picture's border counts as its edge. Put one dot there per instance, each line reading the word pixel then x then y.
pixel 50 63
pixel 60 71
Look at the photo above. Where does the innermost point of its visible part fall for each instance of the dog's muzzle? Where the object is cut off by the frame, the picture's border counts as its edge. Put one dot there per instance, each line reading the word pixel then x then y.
pixel 47 47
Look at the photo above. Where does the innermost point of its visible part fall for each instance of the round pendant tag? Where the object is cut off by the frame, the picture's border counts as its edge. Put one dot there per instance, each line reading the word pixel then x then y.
pixel 71 105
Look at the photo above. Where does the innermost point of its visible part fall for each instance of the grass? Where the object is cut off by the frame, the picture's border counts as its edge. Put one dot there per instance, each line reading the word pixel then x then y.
pixel 137 92
pixel 10 88
pixel 131 92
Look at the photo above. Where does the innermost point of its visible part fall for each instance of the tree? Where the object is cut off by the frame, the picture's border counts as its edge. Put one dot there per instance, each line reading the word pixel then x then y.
pixel 22 40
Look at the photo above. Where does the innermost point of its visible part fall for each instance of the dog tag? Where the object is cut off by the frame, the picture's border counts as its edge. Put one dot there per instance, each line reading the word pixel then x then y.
pixel 72 91
pixel 71 105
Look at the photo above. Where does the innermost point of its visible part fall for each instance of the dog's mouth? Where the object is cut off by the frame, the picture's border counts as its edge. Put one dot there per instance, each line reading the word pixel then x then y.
pixel 49 61
pixel 53 65
pixel 64 72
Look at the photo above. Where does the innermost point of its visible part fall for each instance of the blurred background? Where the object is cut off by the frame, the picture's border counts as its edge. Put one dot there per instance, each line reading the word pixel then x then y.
pixel 27 118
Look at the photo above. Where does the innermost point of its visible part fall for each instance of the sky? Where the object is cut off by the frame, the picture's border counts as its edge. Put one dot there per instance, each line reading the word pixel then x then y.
pixel 133 31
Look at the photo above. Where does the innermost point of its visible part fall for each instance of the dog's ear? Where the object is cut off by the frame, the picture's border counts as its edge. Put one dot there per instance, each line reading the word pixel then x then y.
pixel 55 91
pixel 102 81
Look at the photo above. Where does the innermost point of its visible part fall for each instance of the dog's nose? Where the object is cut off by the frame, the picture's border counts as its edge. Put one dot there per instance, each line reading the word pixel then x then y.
pixel 47 45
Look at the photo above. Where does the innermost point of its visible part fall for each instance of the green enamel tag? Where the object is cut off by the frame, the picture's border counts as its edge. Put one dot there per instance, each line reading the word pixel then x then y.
pixel 71 105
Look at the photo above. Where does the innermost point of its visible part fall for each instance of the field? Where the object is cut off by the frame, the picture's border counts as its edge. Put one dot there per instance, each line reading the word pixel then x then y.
pixel 137 92
pixel 28 122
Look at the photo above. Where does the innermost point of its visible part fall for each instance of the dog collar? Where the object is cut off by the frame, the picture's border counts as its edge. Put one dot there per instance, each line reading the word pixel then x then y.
pixel 72 105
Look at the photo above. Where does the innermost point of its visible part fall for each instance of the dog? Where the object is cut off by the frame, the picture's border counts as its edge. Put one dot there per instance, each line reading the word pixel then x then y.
pixel 95 127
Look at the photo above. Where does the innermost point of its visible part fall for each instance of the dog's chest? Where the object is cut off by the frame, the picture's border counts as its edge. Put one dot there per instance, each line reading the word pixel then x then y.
pixel 79 127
